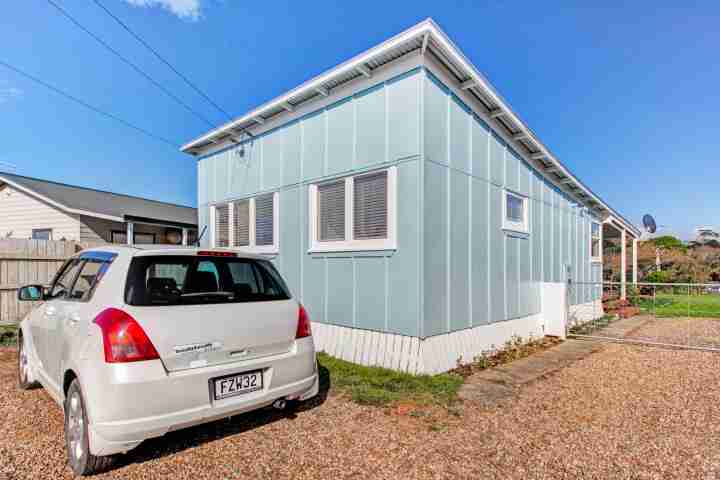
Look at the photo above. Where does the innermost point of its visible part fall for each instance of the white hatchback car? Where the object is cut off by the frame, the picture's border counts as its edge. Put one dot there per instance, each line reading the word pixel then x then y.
pixel 136 342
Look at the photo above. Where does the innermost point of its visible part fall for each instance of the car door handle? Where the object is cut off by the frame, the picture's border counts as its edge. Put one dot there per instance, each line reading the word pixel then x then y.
pixel 50 310
pixel 73 318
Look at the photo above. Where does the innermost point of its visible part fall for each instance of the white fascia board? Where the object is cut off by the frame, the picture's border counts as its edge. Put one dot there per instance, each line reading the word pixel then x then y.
pixel 426 39
pixel 457 57
pixel 58 205
pixel 427 29
pixel 360 83
pixel 313 84
pixel 364 70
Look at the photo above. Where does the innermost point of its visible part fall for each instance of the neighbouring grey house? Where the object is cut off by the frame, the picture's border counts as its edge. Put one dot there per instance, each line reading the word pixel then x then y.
pixel 417 218
pixel 31 208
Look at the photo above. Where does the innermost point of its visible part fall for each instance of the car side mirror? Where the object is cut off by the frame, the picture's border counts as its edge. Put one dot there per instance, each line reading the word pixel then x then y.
pixel 31 293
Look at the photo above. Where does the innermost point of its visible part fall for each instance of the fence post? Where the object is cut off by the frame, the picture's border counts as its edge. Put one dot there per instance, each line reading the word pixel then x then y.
pixel 623 265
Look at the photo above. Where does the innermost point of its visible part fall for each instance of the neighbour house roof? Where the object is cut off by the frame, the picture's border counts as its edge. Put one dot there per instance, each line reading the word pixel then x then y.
pixel 100 204
pixel 425 38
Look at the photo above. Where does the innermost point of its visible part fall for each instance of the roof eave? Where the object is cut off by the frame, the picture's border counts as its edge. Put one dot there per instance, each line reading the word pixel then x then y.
pixel 317 82
pixel 432 38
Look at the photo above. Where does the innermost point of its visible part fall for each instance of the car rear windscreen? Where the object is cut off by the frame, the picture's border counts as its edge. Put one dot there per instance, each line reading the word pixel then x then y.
pixel 191 280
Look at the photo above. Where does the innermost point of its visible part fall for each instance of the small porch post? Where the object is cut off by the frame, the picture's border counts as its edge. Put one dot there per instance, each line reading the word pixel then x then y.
pixel 635 261
pixel 130 233
pixel 185 237
pixel 623 264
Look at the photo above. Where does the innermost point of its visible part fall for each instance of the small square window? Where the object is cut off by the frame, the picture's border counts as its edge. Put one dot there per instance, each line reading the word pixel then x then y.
pixel 514 209
pixel 515 216
pixel 42 234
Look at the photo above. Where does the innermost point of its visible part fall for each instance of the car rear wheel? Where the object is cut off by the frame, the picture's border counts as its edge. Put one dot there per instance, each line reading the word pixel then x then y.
pixel 25 381
pixel 77 442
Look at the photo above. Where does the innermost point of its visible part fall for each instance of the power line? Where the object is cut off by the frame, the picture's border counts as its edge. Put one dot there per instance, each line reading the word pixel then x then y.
pixel 87 105
pixel 131 64
pixel 159 57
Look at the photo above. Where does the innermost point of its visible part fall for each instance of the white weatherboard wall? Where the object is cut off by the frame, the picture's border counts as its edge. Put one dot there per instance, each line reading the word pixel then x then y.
pixel 20 213
pixel 436 354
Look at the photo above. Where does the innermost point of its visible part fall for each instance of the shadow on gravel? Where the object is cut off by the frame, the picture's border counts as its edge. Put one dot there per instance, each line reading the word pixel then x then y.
pixel 180 440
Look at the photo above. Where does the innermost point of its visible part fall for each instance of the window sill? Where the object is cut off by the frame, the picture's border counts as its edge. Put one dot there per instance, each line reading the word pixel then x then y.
pixel 596 260
pixel 353 254
pixel 513 232
pixel 345 247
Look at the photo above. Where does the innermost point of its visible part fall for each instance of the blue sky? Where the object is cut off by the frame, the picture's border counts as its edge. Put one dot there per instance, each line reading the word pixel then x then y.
pixel 624 93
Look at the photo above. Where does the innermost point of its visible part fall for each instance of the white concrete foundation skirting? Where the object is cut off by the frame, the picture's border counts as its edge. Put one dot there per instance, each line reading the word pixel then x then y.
pixel 435 354
pixel 585 312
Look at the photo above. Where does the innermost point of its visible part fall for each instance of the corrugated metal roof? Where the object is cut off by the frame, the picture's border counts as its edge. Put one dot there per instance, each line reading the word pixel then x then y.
pixel 100 203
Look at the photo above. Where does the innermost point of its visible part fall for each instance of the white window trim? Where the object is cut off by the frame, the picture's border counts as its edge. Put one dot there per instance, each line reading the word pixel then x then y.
pixel 350 244
pixel 518 227
pixel 253 247
pixel 599 258
pixel 211 227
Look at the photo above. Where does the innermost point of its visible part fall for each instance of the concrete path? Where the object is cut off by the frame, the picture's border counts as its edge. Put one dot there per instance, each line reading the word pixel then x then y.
pixel 623 328
pixel 494 385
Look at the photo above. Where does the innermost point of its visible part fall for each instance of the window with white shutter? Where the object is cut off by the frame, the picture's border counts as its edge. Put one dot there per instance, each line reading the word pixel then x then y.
pixel 354 213
pixel 331 200
pixel 370 206
pixel 222 226
pixel 264 220
pixel 250 224
pixel 241 223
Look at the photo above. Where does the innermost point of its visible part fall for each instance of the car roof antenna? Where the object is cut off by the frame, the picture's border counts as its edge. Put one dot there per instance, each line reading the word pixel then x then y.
pixel 202 233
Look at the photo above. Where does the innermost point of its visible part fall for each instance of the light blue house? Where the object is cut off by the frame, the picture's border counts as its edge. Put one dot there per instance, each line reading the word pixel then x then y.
pixel 412 212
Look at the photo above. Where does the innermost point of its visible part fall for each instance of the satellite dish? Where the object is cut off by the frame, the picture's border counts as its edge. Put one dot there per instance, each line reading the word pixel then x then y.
pixel 649 223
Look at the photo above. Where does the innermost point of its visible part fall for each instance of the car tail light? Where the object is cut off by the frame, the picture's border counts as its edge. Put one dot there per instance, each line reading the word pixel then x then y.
pixel 124 339
pixel 303 327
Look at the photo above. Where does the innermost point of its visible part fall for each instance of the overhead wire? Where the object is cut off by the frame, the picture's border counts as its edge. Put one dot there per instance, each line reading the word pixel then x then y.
pixel 87 105
pixel 131 64
pixel 163 60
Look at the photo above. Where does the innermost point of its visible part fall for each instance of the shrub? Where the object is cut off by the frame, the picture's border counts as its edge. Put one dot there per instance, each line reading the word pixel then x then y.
pixel 658 277
pixel 670 242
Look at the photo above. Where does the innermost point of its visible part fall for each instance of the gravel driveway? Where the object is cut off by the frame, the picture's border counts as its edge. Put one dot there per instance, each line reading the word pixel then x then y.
pixel 623 412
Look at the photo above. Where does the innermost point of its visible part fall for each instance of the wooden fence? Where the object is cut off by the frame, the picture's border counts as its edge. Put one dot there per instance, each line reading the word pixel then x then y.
pixel 24 262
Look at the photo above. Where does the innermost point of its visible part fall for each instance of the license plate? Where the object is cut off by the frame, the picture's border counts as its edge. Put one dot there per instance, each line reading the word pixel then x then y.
pixel 237 384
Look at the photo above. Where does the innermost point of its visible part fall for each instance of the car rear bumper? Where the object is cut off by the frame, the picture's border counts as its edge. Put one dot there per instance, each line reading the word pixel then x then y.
pixel 142 401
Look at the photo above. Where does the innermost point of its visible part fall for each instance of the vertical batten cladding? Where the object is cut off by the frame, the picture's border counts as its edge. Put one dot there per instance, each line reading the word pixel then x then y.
pixel 375 127
pixel 474 272
pixel 455 267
